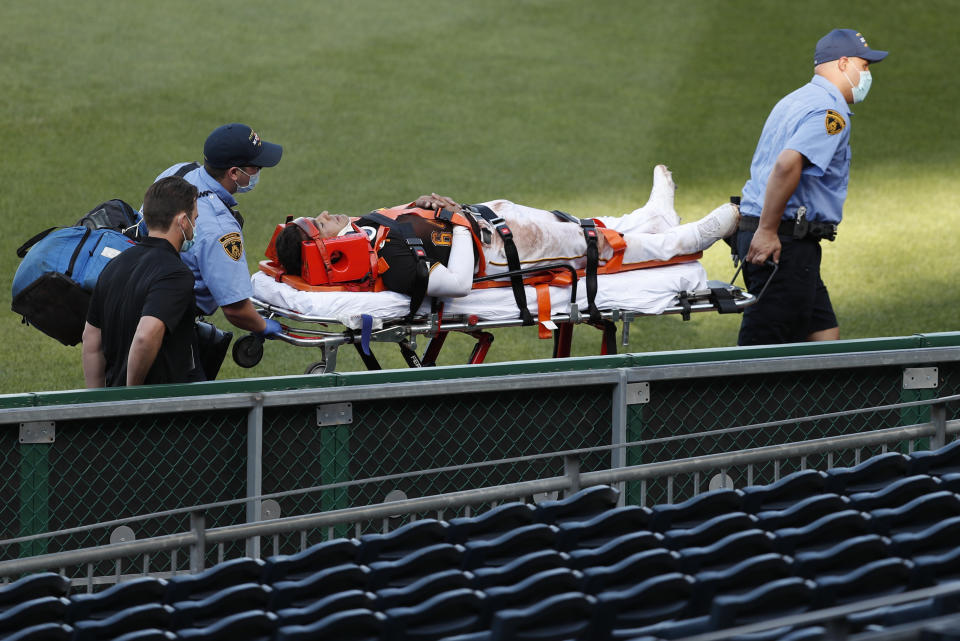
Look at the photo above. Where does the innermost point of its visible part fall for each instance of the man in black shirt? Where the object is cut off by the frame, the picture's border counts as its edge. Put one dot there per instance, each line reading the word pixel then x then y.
pixel 140 324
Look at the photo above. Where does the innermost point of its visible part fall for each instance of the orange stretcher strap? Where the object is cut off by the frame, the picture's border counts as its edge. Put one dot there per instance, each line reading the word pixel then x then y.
pixel 544 310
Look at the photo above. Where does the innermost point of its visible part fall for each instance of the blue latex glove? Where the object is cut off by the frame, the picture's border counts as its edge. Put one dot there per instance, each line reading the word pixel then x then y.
pixel 271 330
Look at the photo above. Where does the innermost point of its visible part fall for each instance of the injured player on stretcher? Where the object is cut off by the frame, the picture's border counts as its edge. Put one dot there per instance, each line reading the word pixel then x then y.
pixel 453 254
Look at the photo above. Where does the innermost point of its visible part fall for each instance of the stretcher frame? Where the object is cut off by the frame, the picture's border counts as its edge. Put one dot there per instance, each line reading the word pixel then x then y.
pixel 717 297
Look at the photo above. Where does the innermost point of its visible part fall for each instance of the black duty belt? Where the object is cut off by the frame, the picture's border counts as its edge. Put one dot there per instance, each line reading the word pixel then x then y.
pixel 794 228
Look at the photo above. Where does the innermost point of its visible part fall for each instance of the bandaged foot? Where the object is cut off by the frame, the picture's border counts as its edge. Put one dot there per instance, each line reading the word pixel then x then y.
pixel 694 237
pixel 663 216
pixel 657 216
pixel 683 239
pixel 661 196
pixel 720 223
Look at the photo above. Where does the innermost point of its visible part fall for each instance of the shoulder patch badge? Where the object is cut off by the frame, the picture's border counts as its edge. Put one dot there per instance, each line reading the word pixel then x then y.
pixel 835 122
pixel 232 244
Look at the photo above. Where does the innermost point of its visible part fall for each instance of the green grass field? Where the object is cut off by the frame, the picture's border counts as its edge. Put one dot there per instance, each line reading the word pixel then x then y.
pixel 559 104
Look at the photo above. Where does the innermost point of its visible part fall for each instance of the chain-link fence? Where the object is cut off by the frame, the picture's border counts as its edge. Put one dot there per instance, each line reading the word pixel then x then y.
pixel 101 460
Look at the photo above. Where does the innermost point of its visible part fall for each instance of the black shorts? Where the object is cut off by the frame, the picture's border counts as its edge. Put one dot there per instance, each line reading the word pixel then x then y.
pixel 796 303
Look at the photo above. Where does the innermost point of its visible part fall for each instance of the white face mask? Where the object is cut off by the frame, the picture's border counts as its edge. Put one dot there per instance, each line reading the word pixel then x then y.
pixel 254 179
pixel 862 88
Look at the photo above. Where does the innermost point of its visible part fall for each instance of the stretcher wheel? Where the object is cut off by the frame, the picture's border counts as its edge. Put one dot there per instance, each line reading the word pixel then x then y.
pixel 248 351
pixel 320 367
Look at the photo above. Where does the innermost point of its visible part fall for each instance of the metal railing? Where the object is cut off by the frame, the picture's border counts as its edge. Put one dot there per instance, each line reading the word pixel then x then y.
pixel 196 542
pixel 100 456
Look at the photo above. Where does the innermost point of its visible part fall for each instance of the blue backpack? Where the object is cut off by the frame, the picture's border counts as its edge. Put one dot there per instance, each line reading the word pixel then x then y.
pixel 59 270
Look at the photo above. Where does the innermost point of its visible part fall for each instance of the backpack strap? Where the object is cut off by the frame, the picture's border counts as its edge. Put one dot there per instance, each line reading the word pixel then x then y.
pixel 76 252
pixel 24 248
pixel 513 258
pixel 589 227
pixel 186 169
pixel 415 244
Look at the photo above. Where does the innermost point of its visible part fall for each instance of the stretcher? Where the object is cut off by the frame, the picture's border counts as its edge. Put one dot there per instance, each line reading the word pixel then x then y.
pixel 330 319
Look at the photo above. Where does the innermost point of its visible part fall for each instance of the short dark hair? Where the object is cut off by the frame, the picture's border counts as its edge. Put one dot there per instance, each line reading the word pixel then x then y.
pixel 165 199
pixel 288 245
pixel 217 173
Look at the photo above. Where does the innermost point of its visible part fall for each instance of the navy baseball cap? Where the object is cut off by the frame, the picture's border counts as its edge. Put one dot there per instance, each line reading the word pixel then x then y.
pixel 237 145
pixel 845 43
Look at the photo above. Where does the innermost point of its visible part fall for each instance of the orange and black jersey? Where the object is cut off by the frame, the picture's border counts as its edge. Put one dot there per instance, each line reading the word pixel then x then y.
pixel 397 264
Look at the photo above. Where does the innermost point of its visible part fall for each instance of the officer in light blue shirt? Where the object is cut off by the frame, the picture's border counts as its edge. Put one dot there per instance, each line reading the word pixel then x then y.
pixel 794 197
pixel 234 156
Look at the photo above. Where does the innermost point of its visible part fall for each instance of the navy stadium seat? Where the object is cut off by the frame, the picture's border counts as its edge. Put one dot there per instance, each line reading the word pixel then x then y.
pixel 509 546
pixel 936 538
pixel 806 633
pixel 42 632
pixel 490 524
pixel 842 557
pixel 743 577
pixel 519 569
pixel 533 589
pixel 45 609
pixel 294 567
pixel 297 594
pixel 150 634
pixel 942 631
pixel 896 494
pixel 891 615
pixel 199 586
pixel 775 599
pixel 581 506
pixel 422 589
pixel 482 635
pixel 822 533
pixel 803 512
pixel 950 482
pixel 603 528
pixel 783 493
pixel 945 460
pixel 726 552
pixel 575 568
pixel 253 625
pixel 937 568
pixel 873 474
pixel 415 566
pixel 139 617
pixel 32 587
pixel 775 634
pixel 658 599
pixel 219 605
pixel 351 625
pixel 446 614
pixel 879 578
pixel 916 515
pixel 630 571
pixel 402 541
pixel 710 531
pixel 564 617
pixel 695 511
pixel 671 629
pixel 332 604
pixel 616 550
pixel 102 605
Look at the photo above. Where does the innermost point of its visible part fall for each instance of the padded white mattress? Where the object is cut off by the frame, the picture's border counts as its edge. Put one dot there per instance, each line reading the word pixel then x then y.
pixel 647 291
